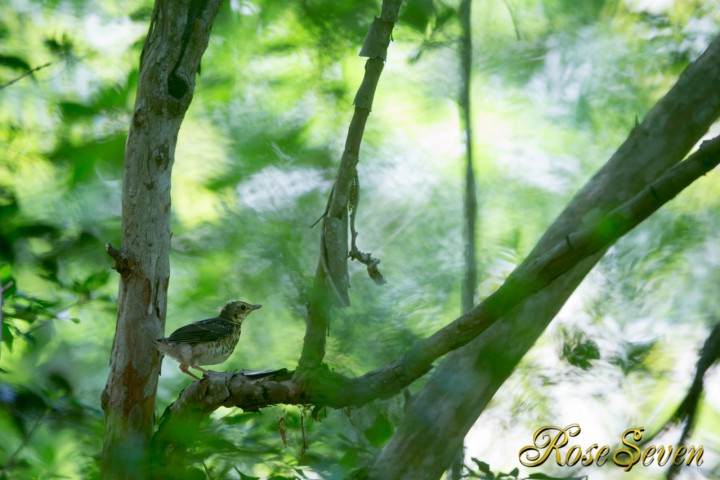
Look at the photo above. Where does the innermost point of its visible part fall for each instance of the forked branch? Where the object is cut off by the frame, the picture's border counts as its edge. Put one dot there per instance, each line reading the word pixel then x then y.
pixel 331 276
pixel 323 387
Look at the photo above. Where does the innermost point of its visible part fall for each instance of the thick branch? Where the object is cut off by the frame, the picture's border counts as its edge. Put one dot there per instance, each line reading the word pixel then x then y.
pixel 576 251
pixel 532 276
pixel 218 389
pixel 331 277
pixel 462 386
pixel 322 387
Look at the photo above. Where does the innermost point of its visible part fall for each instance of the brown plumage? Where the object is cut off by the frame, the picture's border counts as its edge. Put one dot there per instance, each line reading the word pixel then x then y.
pixel 207 342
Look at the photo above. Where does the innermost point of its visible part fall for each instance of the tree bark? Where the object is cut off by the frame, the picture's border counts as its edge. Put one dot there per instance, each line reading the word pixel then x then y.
pixel 469 283
pixel 178 35
pixel 322 387
pixel 439 417
pixel 332 282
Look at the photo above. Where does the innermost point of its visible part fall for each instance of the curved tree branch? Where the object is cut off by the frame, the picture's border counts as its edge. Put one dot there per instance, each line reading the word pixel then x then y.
pixel 530 277
pixel 323 387
pixel 461 387
pixel 331 276
pixel 686 412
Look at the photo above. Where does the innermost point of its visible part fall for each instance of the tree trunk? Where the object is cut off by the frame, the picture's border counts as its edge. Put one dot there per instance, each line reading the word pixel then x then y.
pixel 178 35
pixel 440 416
pixel 469 283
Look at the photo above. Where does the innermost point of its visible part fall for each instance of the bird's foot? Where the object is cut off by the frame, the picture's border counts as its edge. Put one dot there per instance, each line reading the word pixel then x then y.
pixel 205 372
pixel 184 369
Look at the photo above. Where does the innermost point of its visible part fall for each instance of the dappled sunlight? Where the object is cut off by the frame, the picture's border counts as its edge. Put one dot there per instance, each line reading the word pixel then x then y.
pixel 273 189
pixel 556 88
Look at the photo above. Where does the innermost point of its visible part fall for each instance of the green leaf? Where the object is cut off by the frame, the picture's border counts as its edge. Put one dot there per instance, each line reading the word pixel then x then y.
pixel 73 110
pixel 239 418
pixel 380 431
pixel 578 350
pixel 513 473
pixel 141 14
pixel 5 273
pixel 482 466
pixel 246 477
pixel 632 356
pixel 84 157
pixel 351 458
pixel 92 282
pixel 60 46
pixel 7 336
pixel 194 474
pixel 12 61
pixel 418 14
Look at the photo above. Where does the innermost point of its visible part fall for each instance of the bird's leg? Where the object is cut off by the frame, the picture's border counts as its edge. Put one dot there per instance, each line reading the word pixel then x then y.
pixel 206 372
pixel 184 369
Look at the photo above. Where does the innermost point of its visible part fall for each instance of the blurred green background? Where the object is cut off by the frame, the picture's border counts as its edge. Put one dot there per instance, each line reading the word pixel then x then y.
pixel 557 85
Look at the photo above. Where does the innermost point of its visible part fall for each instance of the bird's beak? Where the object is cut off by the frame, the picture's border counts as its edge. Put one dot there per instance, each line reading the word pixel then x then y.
pixel 255 307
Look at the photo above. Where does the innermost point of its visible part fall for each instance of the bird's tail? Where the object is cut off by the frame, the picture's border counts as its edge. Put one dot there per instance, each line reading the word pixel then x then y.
pixel 161 344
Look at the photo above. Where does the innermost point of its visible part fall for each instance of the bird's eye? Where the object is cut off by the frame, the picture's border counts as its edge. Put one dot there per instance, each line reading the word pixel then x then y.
pixel 243 307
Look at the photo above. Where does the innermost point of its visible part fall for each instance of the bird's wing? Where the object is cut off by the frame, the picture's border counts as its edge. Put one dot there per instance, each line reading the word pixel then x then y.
pixel 203 331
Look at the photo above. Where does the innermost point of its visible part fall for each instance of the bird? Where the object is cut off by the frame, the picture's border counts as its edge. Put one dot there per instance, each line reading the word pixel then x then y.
pixel 207 342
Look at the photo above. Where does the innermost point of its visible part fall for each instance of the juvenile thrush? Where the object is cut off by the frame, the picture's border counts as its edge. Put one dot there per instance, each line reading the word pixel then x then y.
pixel 207 342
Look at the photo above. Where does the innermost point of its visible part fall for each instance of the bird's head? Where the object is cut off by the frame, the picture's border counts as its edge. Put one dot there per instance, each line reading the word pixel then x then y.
pixel 237 311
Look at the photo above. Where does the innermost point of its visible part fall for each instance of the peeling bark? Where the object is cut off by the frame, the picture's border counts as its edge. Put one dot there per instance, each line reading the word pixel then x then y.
pixel 176 40
pixel 331 277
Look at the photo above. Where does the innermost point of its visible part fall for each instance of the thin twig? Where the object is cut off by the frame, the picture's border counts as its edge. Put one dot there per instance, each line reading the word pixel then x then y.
pixel 23 444
pixel 207 471
pixel 29 72
pixel 327 208
pixel 365 258
pixel 123 265
pixel 282 430
pixel 304 447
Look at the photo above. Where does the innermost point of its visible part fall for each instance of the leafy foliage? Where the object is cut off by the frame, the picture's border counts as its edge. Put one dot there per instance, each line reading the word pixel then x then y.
pixel 558 85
